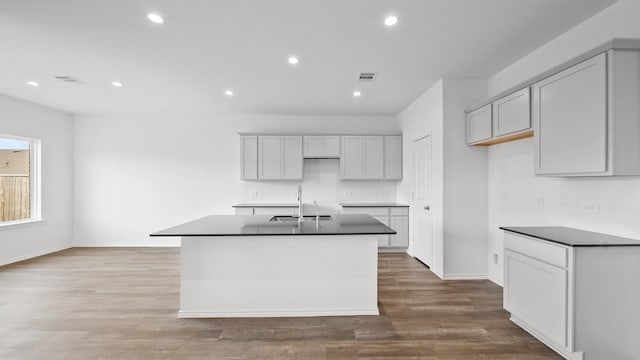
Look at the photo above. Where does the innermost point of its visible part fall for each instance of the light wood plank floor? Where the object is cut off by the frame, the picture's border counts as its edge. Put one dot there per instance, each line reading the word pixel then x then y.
pixel 121 303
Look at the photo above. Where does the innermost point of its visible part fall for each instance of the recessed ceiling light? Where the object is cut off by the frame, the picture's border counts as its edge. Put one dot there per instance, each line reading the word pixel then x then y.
pixel 153 17
pixel 228 92
pixel 32 83
pixel 391 20
pixel 116 84
pixel 357 93
pixel 293 60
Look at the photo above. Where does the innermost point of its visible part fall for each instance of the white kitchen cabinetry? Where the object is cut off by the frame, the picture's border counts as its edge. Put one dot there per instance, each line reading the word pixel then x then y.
pixel 393 157
pixel 512 114
pixel 586 118
pixel 256 209
pixel 324 147
pixel 279 157
pixel 479 126
pixel 371 158
pixel 579 300
pixel 249 157
pixel 395 217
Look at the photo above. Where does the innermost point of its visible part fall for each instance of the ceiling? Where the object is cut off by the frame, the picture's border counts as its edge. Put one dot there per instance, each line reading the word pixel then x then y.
pixel 205 47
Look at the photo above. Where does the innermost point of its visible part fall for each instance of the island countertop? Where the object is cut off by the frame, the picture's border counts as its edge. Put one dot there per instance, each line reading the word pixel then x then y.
pixel 571 237
pixel 260 225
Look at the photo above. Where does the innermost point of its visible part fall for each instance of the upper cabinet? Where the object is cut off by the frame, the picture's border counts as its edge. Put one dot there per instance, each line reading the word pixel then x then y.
pixel 511 114
pixel 279 158
pixel 587 118
pixel 393 157
pixel 371 158
pixel 322 146
pixel 479 125
pixel 505 119
pixel 584 114
pixel 249 157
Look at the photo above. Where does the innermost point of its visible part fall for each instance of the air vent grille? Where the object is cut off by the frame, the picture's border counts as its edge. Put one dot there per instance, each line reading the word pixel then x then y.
pixel 70 79
pixel 367 76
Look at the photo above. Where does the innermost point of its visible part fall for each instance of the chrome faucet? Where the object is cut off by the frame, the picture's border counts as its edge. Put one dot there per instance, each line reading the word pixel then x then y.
pixel 300 214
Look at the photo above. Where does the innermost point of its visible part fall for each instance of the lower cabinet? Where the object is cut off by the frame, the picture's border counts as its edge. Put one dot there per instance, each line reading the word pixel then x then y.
pixel 265 210
pixel 395 217
pixel 581 301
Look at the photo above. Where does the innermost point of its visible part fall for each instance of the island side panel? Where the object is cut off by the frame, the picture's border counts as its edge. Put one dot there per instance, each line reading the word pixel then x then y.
pixel 271 276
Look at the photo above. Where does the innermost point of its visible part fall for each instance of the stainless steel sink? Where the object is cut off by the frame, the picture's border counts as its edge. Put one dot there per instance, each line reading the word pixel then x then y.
pixel 295 218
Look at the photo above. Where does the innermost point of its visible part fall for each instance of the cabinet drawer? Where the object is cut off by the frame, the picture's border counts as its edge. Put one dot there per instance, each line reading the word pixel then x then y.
pixel 373 211
pixel 403 211
pixel 537 249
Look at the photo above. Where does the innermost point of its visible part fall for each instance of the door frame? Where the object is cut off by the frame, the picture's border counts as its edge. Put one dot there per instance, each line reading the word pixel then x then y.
pixel 415 139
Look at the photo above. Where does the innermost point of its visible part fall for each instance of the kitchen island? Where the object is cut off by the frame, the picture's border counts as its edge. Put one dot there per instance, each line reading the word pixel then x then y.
pixel 264 266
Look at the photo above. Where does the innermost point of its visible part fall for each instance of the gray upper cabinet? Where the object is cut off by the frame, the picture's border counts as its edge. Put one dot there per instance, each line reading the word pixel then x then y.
pixel 279 157
pixel 393 157
pixel 587 118
pixel 325 146
pixel 362 158
pixel 479 125
pixel 511 114
pixel 249 157
pixel 570 110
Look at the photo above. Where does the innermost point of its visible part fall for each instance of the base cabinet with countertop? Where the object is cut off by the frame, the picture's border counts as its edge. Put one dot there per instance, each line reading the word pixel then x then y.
pixel 576 291
pixel 396 216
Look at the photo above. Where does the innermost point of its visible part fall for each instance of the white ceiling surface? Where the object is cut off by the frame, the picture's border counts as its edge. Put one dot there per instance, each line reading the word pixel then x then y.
pixel 207 46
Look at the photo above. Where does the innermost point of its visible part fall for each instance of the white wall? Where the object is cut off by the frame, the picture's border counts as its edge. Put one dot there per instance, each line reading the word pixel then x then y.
pixel 424 116
pixel 136 174
pixel 54 129
pixel 459 177
pixel 465 185
pixel 514 193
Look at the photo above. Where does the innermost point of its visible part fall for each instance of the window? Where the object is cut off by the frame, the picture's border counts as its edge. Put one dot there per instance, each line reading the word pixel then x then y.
pixel 19 179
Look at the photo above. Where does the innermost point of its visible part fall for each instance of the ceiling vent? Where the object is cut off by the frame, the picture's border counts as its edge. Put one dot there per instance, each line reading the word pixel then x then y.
pixel 367 76
pixel 70 79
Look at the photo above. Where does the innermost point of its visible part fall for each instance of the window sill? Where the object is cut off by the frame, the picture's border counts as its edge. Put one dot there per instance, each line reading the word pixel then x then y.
pixel 8 225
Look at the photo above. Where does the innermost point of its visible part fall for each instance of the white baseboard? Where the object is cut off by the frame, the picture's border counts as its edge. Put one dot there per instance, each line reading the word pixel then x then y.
pixel 465 277
pixel 34 254
pixel 284 313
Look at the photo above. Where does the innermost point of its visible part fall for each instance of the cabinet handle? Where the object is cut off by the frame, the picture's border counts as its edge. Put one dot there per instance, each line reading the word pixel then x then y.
pixel 427 208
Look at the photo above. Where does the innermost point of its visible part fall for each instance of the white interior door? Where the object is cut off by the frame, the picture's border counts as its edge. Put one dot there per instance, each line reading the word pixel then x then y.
pixel 422 245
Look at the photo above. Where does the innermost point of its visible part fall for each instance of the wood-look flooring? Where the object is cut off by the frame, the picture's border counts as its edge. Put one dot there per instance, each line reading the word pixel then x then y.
pixel 121 303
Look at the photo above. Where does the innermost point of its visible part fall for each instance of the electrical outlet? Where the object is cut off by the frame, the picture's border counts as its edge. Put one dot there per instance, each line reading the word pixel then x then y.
pixel 495 259
pixel 255 194
pixel 540 203
pixel 591 208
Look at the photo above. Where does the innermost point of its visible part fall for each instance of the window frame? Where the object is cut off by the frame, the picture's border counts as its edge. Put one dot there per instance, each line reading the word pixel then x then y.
pixel 35 182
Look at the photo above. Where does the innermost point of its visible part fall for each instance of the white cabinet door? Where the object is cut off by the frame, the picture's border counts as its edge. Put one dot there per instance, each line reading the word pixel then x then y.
pixel 248 157
pixel 327 146
pixel 373 157
pixel 292 157
pixel 313 146
pixel 383 240
pixel 512 113
pixel 393 157
pixel 270 158
pixel 352 157
pixel 331 146
pixel 570 120
pixel 401 225
pixel 479 126
pixel 536 292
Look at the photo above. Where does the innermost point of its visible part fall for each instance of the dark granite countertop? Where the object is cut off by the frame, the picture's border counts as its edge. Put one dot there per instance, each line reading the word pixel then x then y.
pixel 572 237
pixel 271 205
pixel 346 204
pixel 259 225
